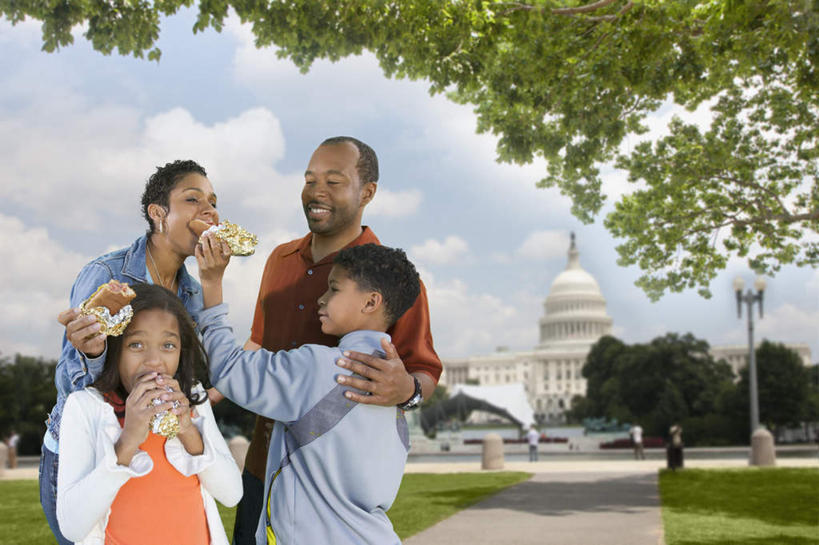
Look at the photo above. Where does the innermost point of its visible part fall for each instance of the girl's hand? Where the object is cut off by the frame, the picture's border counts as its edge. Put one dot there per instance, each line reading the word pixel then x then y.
pixel 188 433
pixel 213 256
pixel 175 394
pixel 139 410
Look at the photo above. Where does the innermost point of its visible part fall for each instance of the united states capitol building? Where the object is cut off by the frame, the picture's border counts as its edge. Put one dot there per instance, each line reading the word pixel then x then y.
pixel 574 318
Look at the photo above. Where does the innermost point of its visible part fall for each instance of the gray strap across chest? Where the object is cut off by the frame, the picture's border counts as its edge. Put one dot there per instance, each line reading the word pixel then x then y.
pixel 324 416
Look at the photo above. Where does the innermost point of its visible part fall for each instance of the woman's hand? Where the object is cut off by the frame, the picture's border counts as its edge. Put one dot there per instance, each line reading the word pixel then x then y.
pixel 188 433
pixel 83 332
pixel 139 410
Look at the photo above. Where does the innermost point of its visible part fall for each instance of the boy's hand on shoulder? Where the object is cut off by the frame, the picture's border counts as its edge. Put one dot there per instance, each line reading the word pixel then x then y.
pixel 386 379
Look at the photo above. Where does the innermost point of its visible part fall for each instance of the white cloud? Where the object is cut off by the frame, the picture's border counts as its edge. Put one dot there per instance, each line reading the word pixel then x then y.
pixel 542 245
pixel 394 204
pixel 467 322
pixel 451 250
pixel 85 165
pixel 35 281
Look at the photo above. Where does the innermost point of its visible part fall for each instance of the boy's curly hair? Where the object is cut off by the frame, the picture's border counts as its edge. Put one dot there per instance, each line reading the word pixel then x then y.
pixel 385 270
pixel 159 186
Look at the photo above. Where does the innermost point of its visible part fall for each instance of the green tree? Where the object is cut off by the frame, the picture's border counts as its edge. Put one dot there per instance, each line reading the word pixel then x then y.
pixel 671 379
pixel 570 82
pixel 27 393
pixel 783 385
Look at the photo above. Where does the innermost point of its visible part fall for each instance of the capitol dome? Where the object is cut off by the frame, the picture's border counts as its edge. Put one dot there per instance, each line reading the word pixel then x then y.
pixel 575 309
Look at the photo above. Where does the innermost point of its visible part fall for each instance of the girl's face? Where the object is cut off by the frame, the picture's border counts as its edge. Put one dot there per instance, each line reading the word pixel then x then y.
pixel 192 198
pixel 151 343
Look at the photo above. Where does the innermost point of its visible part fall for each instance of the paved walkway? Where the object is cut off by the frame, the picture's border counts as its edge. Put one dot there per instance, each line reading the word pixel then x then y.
pixel 567 503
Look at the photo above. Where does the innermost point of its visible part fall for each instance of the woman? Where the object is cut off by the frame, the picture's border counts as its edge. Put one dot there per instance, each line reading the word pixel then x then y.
pixel 174 195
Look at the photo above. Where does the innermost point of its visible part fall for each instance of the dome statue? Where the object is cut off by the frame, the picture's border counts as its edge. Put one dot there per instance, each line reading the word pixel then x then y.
pixel 575 309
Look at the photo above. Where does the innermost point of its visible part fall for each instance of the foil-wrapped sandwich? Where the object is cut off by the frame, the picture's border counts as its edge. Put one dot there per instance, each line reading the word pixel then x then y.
pixel 110 306
pixel 165 423
pixel 241 241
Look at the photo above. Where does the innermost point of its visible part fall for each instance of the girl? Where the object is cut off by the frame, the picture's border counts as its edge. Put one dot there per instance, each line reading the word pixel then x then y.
pixel 118 482
pixel 174 195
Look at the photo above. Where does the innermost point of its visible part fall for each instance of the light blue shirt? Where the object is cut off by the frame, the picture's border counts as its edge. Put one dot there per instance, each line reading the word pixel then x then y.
pixel 333 466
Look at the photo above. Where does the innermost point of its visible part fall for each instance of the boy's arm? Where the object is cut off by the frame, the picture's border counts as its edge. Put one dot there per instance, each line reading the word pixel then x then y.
pixel 272 384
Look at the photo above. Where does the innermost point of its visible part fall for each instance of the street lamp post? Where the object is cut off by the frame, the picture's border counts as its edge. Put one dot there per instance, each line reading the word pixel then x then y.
pixel 749 298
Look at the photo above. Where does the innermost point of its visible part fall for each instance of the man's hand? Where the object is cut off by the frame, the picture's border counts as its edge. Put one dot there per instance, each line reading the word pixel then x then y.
pixel 83 332
pixel 389 383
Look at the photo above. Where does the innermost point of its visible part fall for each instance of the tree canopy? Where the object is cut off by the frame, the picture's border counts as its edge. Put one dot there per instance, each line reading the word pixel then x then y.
pixel 674 379
pixel 573 83
pixel 670 380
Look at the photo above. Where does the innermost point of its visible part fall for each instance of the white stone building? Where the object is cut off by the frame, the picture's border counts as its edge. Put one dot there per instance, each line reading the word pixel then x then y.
pixel 574 318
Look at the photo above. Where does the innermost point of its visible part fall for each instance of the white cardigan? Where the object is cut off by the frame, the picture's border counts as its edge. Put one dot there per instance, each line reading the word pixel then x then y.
pixel 89 478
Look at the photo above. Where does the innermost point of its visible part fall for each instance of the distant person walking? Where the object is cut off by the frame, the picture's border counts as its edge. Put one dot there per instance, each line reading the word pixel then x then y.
pixel 533 437
pixel 12 441
pixel 636 433
pixel 675 448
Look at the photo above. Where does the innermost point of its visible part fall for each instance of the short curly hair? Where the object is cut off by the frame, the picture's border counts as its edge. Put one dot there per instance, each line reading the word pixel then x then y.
pixel 385 270
pixel 367 165
pixel 159 186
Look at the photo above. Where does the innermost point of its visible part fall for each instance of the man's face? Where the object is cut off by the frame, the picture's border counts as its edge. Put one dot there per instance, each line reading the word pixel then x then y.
pixel 333 197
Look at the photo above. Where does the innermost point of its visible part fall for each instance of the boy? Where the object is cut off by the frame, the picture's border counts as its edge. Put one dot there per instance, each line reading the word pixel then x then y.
pixel 333 466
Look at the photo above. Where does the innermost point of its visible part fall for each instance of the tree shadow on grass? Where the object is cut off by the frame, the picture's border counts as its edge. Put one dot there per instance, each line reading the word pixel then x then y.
pixel 540 496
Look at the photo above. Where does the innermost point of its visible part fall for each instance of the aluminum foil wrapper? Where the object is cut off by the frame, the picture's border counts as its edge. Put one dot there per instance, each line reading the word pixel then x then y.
pixel 112 326
pixel 165 423
pixel 241 241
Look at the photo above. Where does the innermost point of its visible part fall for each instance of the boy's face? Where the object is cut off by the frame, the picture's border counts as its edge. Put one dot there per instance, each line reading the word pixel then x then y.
pixel 342 307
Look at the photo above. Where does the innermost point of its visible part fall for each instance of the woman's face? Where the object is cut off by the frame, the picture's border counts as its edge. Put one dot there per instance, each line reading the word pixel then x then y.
pixel 151 343
pixel 192 198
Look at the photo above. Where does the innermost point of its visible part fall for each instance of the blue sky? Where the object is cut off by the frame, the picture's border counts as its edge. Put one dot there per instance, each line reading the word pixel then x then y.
pixel 80 132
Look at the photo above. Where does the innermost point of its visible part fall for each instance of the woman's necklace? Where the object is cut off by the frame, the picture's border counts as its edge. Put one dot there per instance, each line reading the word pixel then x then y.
pixel 156 270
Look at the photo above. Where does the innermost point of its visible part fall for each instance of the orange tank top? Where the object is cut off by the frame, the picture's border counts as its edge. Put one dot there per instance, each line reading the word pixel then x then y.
pixel 163 506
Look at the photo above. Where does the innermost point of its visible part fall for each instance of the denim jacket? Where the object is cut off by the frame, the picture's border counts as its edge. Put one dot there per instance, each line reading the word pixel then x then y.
pixel 75 371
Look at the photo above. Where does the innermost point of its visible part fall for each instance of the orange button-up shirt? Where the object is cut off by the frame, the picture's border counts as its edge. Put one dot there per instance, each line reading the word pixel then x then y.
pixel 287 316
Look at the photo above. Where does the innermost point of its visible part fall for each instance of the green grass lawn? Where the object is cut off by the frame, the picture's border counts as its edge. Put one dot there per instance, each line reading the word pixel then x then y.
pixel 750 506
pixel 423 500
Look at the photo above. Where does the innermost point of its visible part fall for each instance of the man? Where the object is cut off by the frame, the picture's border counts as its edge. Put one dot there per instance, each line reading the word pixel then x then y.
pixel 533 438
pixel 340 180
pixel 636 432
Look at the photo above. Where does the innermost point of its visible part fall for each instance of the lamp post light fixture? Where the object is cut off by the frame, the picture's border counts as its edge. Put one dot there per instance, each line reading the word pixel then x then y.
pixel 749 298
